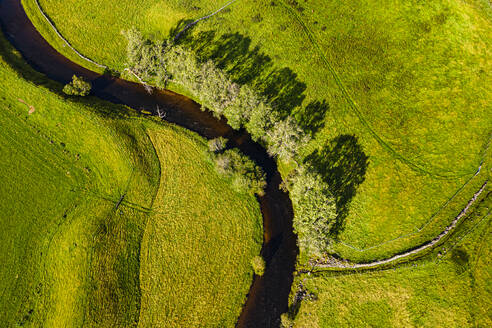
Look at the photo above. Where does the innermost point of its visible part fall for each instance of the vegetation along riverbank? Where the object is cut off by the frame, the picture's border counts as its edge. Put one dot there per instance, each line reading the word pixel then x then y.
pixel 377 116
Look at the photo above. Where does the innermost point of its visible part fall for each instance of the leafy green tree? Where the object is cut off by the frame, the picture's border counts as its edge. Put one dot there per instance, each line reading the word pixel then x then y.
pixel 285 139
pixel 145 58
pixel 239 109
pixel 286 321
pixel 258 264
pixel 78 87
pixel 158 62
pixel 135 42
pixel 245 174
pixel 315 212
pixel 262 119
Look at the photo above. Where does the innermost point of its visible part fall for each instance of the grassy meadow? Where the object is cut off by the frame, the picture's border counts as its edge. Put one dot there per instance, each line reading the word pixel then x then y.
pixel 448 288
pixel 396 94
pixel 105 223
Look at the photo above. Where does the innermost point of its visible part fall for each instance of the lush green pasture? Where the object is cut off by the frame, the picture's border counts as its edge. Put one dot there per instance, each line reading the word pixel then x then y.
pixel 448 290
pixel 178 253
pixel 396 93
pixel 85 193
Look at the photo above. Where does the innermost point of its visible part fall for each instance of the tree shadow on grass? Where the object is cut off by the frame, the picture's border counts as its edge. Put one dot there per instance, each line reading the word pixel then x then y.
pixel 342 163
pixel 181 28
pixel 312 118
pixel 246 64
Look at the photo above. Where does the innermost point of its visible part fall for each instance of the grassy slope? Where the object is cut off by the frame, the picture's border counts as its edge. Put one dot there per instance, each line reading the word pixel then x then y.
pixel 69 258
pixel 177 248
pixel 449 291
pixel 411 87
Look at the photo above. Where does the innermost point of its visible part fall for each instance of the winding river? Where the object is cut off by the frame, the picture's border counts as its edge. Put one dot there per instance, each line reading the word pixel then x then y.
pixel 268 295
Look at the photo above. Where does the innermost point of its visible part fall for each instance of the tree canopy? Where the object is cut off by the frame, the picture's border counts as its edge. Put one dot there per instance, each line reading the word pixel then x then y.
pixel 315 211
pixel 77 87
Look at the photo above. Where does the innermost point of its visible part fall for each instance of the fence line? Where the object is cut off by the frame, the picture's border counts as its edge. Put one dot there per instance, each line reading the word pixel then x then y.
pixel 412 252
pixel 64 40
pixel 203 18
pixel 422 227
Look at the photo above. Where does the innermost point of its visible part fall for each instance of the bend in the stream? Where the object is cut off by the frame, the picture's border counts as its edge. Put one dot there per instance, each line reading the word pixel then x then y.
pixel 268 296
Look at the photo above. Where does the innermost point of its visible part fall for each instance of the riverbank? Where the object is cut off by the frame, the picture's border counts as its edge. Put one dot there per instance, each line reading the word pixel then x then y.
pixel 397 166
pixel 268 296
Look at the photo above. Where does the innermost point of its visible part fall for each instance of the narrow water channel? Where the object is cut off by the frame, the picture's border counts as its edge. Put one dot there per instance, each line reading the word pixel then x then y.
pixel 268 295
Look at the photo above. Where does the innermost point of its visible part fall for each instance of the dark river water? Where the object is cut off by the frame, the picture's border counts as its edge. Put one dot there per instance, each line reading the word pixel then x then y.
pixel 268 295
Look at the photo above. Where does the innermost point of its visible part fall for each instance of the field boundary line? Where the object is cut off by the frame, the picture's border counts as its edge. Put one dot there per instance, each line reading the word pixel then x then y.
pixel 53 27
pixel 202 18
pixel 464 236
pixel 313 40
pixel 355 108
pixel 423 226
pixel 415 251
pixel 65 40
pixel 417 230
pixel 145 130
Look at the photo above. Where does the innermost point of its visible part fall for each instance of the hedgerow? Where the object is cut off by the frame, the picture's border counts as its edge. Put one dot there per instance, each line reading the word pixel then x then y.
pixel 161 62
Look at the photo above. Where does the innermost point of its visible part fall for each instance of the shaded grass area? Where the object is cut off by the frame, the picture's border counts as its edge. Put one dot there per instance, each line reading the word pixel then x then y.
pixel 450 287
pixel 343 164
pixel 79 183
pixel 414 79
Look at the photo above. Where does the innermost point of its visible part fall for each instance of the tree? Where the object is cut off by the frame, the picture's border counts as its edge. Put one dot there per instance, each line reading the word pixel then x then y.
pixel 315 211
pixel 286 321
pixel 245 174
pixel 158 62
pixel 285 139
pixel 135 42
pixel 78 87
pixel 258 264
pixel 262 119
pixel 217 145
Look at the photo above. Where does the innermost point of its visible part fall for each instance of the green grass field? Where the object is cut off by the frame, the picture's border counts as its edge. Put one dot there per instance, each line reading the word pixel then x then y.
pixel 450 290
pixel 396 93
pixel 105 223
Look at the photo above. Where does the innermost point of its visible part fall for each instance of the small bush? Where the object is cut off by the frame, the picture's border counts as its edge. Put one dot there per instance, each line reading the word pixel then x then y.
pixel 78 87
pixel 217 145
pixel 258 264
pixel 286 321
pixel 245 174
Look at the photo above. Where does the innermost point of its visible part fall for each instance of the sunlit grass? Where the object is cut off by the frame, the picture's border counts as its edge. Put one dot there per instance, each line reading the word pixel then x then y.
pixel 71 252
pixel 449 288
pixel 417 73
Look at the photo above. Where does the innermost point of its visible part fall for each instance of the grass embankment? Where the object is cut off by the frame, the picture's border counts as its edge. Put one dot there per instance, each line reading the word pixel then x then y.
pixel 103 221
pixel 448 288
pixel 396 94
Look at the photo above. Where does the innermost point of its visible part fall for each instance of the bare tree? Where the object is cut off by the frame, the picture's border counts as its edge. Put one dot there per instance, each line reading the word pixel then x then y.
pixel 160 113
pixel 147 87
